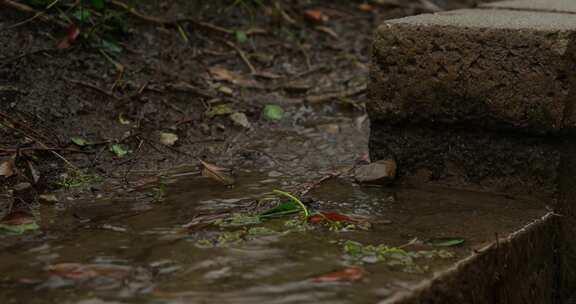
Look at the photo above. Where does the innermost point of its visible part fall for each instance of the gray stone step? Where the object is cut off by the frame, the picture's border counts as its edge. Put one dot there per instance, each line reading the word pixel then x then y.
pixel 489 69
pixel 561 6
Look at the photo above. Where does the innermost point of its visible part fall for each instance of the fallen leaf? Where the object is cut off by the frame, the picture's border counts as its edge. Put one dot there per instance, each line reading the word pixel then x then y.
pixel 315 15
pixel 17 223
pixel 79 141
pixel 7 168
pixel 123 120
pixel 216 173
pixel 32 171
pixel 347 274
pixel 72 34
pixel 221 73
pixel 222 109
pixel 273 112
pixel 365 7
pixel 76 271
pixel 168 139
pixel 119 150
pixel 241 120
pixel 241 37
pixel 445 242
pixel 327 30
pixel 330 216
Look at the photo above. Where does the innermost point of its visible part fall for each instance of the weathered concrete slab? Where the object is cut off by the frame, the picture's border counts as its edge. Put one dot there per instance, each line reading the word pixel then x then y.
pixel 476 159
pixel 522 268
pixel 560 6
pixel 491 69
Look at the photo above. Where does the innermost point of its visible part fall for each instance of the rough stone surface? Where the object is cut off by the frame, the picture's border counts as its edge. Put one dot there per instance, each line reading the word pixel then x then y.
pixel 378 172
pixel 563 6
pixel 481 160
pixel 491 69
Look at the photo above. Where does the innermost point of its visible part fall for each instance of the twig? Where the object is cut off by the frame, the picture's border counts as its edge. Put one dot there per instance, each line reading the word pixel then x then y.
pixel 12 150
pixel 242 55
pixel 92 86
pixel 175 22
pixel 336 95
pixel 27 9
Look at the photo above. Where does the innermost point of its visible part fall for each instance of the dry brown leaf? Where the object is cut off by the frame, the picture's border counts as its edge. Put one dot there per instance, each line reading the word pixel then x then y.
pixel 7 168
pixel 216 173
pixel 221 73
pixel 316 15
pixel 327 30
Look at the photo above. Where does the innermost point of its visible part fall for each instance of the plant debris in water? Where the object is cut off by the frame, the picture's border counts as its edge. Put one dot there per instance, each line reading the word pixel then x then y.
pixel 397 258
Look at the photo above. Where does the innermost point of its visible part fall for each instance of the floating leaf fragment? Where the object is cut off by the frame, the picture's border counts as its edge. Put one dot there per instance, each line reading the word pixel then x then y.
pixel 348 274
pixel 273 112
pixel 445 242
pixel 18 223
pixel 216 173
pixel 78 271
pixel 330 216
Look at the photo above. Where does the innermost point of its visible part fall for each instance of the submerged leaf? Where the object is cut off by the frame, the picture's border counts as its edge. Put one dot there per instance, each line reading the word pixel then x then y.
pixel 347 274
pixel 282 209
pixel 330 216
pixel 445 242
pixel 18 223
pixel 216 173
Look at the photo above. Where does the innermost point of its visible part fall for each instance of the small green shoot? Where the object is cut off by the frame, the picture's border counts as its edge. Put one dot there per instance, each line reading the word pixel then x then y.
pixel 296 200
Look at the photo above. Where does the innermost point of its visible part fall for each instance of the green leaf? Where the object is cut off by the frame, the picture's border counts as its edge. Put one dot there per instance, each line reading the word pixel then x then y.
pixel 273 112
pixel 241 37
pixel 223 109
pixel 79 141
pixel 111 47
pixel 82 15
pixel 445 242
pixel 17 229
pixel 98 4
pixel 282 209
pixel 119 150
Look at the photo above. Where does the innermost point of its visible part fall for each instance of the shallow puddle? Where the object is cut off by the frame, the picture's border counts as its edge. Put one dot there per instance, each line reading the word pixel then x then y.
pixel 138 251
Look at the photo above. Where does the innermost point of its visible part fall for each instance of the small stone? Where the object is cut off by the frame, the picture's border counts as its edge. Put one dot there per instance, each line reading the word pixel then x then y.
pixel 168 139
pixel 48 198
pixel 240 119
pixel 379 172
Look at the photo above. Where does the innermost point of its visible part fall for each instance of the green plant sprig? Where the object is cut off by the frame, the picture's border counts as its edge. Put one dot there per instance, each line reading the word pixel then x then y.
pixel 295 199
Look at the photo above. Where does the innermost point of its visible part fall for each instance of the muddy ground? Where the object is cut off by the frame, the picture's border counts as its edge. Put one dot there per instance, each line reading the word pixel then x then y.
pixel 309 57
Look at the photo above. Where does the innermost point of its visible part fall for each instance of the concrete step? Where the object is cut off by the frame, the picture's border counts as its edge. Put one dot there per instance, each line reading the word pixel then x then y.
pixel 485 99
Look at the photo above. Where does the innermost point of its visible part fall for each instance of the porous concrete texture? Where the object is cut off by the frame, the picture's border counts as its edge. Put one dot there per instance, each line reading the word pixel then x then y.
pixel 521 269
pixel 489 69
pixel 560 6
pixel 486 161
